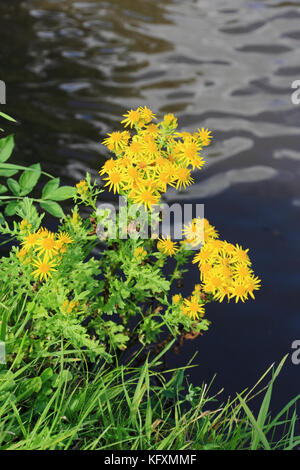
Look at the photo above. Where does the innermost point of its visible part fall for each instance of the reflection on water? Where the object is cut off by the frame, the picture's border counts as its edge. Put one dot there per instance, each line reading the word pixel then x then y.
pixel 73 67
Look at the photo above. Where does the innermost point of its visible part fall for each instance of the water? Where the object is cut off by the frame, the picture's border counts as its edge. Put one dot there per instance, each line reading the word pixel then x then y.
pixel 73 67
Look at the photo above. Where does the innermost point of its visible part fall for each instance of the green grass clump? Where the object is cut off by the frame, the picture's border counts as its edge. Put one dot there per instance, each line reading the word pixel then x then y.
pixel 128 408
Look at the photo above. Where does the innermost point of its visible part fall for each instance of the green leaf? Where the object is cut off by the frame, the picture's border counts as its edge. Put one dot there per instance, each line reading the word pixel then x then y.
pixel 6 147
pixel 3 189
pixel 13 186
pixel 30 387
pixel 7 173
pixel 53 208
pixel 257 429
pixel 6 116
pixel 46 374
pixel 50 187
pixel 11 208
pixel 29 179
pixel 62 193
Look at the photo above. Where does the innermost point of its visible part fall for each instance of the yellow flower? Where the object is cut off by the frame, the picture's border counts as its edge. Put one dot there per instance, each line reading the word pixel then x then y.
pixel 150 146
pixel 190 154
pixel 145 196
pixel 152 129
pixel 252 283
pixel 69 306
pixel 25 225
pixel 76 219
pixel 82 187
pixel 209 231
pixel 43 232
pixel 194 232
pixel 176 298
pixel 170 121
pixel 165 177
pixel 44 268
pixel 193 308
pixel 108 166
pixel 240 255
pixel 135 149
pixel 183 177
pixel 212 282
pixel 239 291
pixel 132 118
pixel 30 241
pixel 114 180
pixel 204 136
pixel 167 246
pixel 224 271
pixel 47 246
pixel 200 229
pixel 23 254
pixel 197 288
pixel 132 174
pixel 205 269
pixel 116 140
pixel 64 237
pixel 242 271
pixel 207 254
pixel 222 292
pixel 140 253
pixel 146 114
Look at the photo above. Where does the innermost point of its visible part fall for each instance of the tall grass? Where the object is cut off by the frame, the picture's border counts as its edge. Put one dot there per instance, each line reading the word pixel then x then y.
pixel 133 409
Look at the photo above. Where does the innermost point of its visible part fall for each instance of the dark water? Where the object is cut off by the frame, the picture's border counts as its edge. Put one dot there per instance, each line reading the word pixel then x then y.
pixel 73 67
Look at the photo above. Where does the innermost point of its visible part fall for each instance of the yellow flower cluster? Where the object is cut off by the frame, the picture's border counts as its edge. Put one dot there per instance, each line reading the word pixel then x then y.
pixel 199 231
pixel 193 306
pixel 42 249
pixel 154 157
pixel 25 226
pixel 69 306
pixel 140 253
pixel 82 187
pixel 225 269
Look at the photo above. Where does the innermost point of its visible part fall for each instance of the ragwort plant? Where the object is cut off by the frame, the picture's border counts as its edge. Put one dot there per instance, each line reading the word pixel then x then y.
pixel 100 297
pixel 67 301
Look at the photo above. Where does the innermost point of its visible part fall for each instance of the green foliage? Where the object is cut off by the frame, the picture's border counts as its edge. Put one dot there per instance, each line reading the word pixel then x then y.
pixel 97 307
pixel 29 177
pixel 74 311
pixel 127 408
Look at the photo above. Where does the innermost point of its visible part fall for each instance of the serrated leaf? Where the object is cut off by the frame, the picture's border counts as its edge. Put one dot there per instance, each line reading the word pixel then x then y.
pixel 53 208
pixel 29 179
pixel 13 186
pixel 6 147
pixel 50 187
